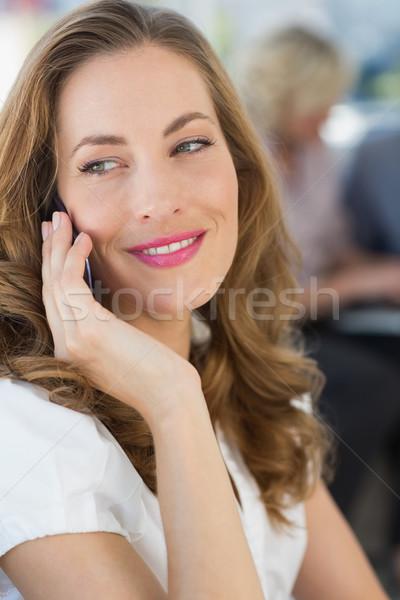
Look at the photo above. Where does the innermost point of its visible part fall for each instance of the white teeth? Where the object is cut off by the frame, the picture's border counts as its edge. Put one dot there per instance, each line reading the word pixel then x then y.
pixel 162 250
pixel 174 247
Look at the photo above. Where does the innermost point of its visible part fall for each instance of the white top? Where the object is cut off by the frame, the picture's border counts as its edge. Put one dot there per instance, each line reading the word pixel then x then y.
pixel 63 472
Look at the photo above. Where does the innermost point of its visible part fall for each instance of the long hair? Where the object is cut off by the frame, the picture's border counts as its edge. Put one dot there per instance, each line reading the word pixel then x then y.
pixel 250 370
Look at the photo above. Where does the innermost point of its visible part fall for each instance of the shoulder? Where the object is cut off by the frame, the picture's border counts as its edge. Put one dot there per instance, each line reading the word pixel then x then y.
pixel 60 471
pixel 32 425
pixel 21 401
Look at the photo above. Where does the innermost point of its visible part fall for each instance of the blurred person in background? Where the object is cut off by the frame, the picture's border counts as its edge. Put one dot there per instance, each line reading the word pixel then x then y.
pixel 372 197
pixel 290 79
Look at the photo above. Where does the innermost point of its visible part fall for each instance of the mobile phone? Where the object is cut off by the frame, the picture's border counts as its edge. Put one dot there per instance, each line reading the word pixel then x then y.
pixel 58 204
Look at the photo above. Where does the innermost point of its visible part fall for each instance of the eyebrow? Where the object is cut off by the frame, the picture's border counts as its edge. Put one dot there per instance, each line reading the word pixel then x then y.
pixel 100 140
pixel 116 140
pixel 183 120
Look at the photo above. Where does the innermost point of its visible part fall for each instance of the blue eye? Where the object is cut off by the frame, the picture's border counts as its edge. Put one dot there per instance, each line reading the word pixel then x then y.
pixel 192 146
pixel 98 167
pixel 187 147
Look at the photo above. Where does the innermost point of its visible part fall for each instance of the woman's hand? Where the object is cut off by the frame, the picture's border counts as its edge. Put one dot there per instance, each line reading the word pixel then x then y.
pixel 208 554
pixel 377 279
pixel 116 357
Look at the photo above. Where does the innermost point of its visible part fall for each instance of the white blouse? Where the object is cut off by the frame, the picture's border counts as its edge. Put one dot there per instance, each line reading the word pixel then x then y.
pixel 63 472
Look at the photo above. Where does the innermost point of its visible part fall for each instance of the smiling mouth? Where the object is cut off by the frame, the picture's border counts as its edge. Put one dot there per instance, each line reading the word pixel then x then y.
pixel 170 251
pixel 170 248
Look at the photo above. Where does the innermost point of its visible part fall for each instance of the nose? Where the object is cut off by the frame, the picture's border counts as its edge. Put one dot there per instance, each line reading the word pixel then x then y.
pixel 159 195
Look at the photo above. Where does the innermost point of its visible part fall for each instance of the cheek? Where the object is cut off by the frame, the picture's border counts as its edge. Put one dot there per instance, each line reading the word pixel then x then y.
pixel 93 204
pixel 222 188
pixel 224 205
pixel 105 229
pixel 228 204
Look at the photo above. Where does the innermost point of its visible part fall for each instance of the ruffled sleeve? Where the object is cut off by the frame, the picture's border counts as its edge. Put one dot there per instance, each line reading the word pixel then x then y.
pixel 61 472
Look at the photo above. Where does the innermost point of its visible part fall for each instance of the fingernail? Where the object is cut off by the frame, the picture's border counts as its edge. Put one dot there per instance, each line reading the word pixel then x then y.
pixel 78 237
pixel 56 220
pixel 45 230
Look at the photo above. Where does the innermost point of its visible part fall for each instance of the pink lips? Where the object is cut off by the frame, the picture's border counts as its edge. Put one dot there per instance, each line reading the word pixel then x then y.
pixel 173 258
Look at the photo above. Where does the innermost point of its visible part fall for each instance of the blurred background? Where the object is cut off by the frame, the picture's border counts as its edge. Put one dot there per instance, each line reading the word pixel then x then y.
pixel 367 32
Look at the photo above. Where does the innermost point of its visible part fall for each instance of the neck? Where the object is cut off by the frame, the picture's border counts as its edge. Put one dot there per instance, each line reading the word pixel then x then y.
pixel 173 332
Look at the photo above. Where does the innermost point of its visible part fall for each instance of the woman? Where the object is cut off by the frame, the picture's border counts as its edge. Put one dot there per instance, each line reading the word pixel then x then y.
pixel 292 77
pixel 127 114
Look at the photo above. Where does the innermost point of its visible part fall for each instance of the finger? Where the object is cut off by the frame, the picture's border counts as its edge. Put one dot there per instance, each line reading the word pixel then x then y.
pixel 67 268
pixel 63 284
pixel 48 298
pixel 56 249
pixel 52 314
pixel 61 243
pixel 74 266
pixel 76 292
pixel 46 250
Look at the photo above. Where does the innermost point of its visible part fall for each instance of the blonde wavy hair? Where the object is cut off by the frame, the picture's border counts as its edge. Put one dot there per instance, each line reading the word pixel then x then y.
pixel 250 369
pixel 291 70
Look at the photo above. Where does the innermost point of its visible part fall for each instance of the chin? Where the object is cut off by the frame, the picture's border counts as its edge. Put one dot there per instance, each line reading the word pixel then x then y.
pixel 167 304
pixel 177 306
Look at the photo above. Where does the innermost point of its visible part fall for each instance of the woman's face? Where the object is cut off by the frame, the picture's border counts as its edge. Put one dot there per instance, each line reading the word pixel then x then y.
pixel 144 169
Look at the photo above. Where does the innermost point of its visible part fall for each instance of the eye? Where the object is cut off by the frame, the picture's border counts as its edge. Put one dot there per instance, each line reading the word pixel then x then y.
pixel 192 146
pixel 99 167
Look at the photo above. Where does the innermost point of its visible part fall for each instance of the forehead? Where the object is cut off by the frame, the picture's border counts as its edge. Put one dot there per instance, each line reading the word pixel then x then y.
pixel 130 86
